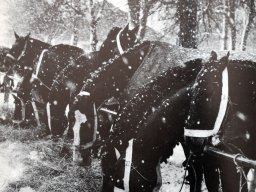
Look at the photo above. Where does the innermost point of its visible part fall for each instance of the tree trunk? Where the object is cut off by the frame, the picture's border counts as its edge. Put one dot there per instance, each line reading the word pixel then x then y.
pixel 133 13
pixel 93 36
pixel 187 12
pixel 49 38
pixel 232 24
pixel 93 28
pixel 74 38
pixel 225 25
pixel 144 11
pixel 248 24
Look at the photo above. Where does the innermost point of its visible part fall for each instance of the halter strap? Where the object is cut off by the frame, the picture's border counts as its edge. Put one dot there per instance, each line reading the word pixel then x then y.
pixel 11 56
pixel 21 54
pixel 221 113
pixel 23 51
pixel 118 42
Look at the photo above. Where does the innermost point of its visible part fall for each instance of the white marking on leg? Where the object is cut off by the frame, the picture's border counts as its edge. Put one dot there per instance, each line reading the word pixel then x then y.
pixel 48 112
pixel 79 119
pixel 128 164
pixel 36 113
pixel 221 113
pixel 95 128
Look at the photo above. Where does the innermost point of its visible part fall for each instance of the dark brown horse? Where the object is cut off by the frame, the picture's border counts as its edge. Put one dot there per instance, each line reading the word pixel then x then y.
pixel 71 79
pixel 222 114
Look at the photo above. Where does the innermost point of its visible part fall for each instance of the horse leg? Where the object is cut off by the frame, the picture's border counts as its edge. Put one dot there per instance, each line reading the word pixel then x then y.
pixel 211 174
pixel 194 168
pixel 230 179
pixel 56 118
pixel 251 184
pixel 108 161
pixel 17 110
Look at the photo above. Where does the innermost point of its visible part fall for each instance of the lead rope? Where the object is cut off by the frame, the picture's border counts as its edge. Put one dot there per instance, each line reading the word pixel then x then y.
pixel 186 168
pixel 241 172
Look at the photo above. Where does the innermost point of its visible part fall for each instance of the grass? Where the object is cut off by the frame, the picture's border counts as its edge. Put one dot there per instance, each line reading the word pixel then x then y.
pixel 44 167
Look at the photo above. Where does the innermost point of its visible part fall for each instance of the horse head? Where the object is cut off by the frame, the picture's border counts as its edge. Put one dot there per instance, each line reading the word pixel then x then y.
pixel 209 104
pixel 23 52
pixel 118 40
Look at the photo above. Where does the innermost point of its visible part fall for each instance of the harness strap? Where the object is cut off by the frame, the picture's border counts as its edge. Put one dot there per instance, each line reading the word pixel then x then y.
pixel 221 113
pixel 39 63
pixel 48 111
pixel 23 51
pixel 118 42
pixel 11 56
pixel 128 164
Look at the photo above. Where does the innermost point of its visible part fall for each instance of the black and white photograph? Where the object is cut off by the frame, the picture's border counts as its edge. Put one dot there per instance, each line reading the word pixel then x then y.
pixel 127 95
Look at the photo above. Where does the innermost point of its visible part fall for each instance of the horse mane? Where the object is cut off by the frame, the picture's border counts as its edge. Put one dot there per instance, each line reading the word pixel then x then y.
pixel 64 49
pixel 243 63
pixel 105 65
pixel 39 43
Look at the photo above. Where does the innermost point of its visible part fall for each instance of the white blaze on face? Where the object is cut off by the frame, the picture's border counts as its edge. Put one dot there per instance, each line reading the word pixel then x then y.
pixel 80 118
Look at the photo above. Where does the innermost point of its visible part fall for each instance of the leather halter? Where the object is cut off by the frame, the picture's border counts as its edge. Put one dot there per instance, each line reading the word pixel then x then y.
pixel 21 54
pixel 221 113
pixel 118 42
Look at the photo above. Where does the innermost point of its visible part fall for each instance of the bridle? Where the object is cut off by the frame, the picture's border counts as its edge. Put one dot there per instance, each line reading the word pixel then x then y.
pixel 118 42
pixel 9 55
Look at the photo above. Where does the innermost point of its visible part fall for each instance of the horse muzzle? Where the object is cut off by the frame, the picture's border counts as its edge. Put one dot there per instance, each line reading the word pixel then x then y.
pixel 196 144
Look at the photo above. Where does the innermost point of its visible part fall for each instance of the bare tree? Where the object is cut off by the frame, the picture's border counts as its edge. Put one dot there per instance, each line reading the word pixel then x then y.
pixel 187 13
pixel 138 14
pixel 248 23
pixel 92 13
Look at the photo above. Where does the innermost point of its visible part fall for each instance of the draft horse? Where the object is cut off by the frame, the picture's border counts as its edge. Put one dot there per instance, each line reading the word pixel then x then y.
pixel 37 63
pixel 222 114
pixel 71 79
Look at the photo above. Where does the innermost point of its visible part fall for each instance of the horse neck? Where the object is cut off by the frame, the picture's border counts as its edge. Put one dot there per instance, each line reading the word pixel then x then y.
pixel 112 68
pixel 35 48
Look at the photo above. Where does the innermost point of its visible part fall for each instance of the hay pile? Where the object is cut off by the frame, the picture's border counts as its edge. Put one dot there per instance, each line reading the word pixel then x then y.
pixel 42 168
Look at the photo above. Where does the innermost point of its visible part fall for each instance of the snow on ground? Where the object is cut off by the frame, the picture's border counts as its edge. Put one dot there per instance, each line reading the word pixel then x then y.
pixel 11 168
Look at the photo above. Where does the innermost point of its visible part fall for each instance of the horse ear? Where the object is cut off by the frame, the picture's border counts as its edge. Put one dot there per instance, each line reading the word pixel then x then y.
pixel 135 29
pixel 126 28
pixel 27 36
pixel 225 58
pixel 16 35
pixel 213 56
